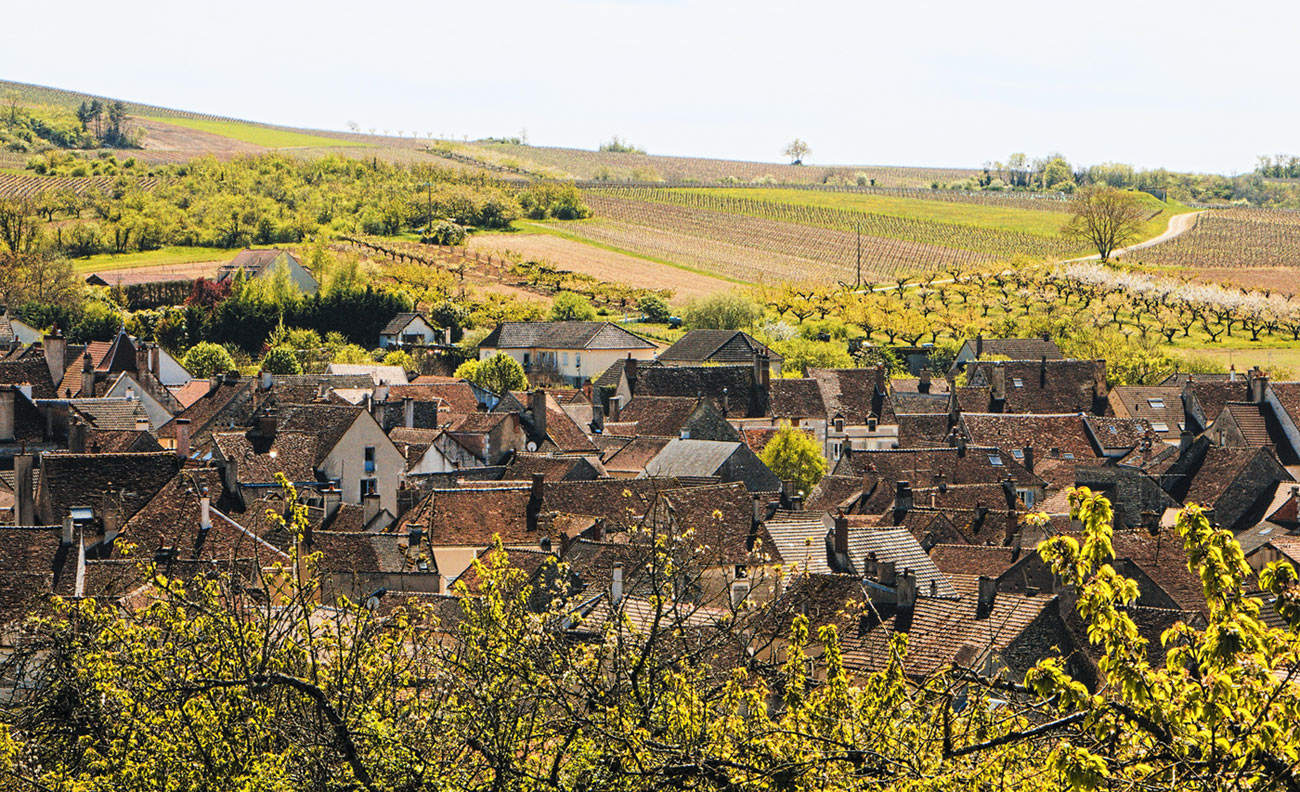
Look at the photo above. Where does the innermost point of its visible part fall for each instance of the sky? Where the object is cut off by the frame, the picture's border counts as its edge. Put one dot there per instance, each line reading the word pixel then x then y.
pixel 1192 86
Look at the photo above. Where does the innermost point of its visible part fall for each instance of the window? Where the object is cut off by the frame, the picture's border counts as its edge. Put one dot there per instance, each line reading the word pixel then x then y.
pixel 1018 454
pixel 577 362
pixel 995 460
pixel 564 359
pixel 1067 455
pixel 1156 404
pixel 1017 382
pixel 369 486
pixel 1182 426
pixel 1160 426
pixel 1027 496
pixel 370 459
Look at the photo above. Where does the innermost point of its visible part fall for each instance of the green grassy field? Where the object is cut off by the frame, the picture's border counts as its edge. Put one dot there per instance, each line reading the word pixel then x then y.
pixel 151 258
pixel 257 135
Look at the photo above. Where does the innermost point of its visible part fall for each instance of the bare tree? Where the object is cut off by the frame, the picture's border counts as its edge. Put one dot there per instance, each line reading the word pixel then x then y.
pixel 796 151
pixel 1104 217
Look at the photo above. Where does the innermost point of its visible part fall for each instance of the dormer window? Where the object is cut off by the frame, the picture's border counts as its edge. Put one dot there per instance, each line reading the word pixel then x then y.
pixel 839 424
pixel 1156 404
pixel 871 423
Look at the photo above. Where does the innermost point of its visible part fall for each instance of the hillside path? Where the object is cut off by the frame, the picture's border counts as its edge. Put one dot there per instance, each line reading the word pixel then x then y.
pixel 1178 224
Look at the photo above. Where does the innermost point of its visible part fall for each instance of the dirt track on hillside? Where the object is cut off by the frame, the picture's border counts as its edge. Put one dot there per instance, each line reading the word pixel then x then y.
pixel 603 264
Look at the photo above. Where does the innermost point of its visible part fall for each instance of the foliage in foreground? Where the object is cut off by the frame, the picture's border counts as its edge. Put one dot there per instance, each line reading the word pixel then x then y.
pixel 205 686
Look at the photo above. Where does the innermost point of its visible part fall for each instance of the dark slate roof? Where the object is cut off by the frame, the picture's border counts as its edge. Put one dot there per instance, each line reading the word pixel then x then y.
pixel 256 461
pixel 796 398
pixel 306 388
pixel 1016 348
pixel 1040 432
pixel 659 416
pixel 328 422
pixel 691 458
pixel 32 371
pixel 399 322
pixel 731 388
pixel 718 346
pixel 854 394
pixel 563 335
pixel 1052 386
pixel 69 480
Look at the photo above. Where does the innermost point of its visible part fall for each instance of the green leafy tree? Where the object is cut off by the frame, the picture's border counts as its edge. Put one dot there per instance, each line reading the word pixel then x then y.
pixel 499 374
pixel 571 306
pixel 723 311
pixel 400 357
pixel 793 454
pixel 205 359
pixel 281 360
pixel 802 354
pixel 654 308
pixel 99 322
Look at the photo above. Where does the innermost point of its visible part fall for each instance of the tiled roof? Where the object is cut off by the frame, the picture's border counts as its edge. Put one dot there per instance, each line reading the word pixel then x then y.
pixel 119 414
pixel 721 517
pixel 215 410
pixel 327 422
pixel 1040 432
pixel 190 392
pixel 832 491
pixel 920 403
pixel 633 457
pixel 796 398
pixel 256 462
pixel 691 458
pixel 1016 348
pixel 378 374
pixel 306 388
pixel 988 560
pixel 69 480
pixel 922 466
pixel 798 540
pixel 719 346
pixel 120 441
pixel 854 394
pixel 1160 405
pixel 1032 386
pixel 730 388
pixel 922 430
pixel 399 322
pixel 897 545
pixel 31 371
pixel 659 416
pixel 459 396
pixel 610 377
pixel 1118 433
pixel 563 335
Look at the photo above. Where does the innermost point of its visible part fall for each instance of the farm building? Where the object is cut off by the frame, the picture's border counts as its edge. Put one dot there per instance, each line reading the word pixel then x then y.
pixel 571 351
pixel 410 329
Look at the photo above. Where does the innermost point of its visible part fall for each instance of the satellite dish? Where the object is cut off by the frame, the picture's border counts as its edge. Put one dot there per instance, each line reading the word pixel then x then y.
pixel 531 446
pixel 372 603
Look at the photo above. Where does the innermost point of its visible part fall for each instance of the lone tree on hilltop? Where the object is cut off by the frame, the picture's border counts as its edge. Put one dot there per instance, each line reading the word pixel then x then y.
pixel 796 151
pixel 1104 217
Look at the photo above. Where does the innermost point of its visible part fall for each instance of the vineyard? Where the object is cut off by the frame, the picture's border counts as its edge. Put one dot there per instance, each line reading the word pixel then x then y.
pixel 1233 238
pixel 23 186
pixel 969 237
pixel 755 249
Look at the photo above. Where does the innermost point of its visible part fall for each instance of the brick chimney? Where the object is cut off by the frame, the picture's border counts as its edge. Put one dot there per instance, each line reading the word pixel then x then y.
pixel 998 382
pixel 630 371
pixel 332 498
pixel 923 385
pixel 183 438
pixel 905 590
pixel 841 540
pixel 76 435
pixel 408 412
pixel 1029 458
pixel 1042 372
pixel 615 408
pixel 979 345
pixel 370 504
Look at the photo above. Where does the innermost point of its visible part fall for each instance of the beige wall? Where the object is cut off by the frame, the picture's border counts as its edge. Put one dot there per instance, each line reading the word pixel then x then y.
pixel 346 462
pixel 582 364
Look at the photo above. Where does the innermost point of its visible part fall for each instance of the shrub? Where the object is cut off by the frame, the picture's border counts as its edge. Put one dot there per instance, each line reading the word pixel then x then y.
pixel 98 322
pixel 400 357
pixel 654 308
pixel 499 373
pixel 205 359
pixel 281 360
pixel 551 199
pixel 723 311
pixel 571 306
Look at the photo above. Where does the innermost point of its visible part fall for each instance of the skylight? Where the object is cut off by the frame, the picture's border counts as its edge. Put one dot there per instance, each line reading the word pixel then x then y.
pixel 1159 426
pixel 1017 453
pixel 1156 404
pixel 1016 381
pixel 995 460
pixel 1067 455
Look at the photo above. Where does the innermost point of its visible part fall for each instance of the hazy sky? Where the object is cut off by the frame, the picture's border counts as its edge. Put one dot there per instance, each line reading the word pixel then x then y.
pixel 1185 85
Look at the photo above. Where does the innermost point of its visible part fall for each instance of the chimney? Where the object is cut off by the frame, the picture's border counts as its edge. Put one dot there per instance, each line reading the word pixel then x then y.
pixel 998 381
pixel 183 438
pixel 369 507
pixel 55 347
pixel 961 444
pixel 25 506
pixel 616 586
pixel 7 396
pixel 332 498
pixel 923 386
pixel 841 534
pixel 142 423
pixel 87 377
pixel 155 361
pixel 905 591
pixel 1232 373
pixel 415 535
pixel 597 417
pixel 76 435
pixel 629 370
pixel 988 592
pixel 762 371
pixel 1042 372
pixel 1184 441
pixel 66 537
pixel 265 380
pixel 408 412
pixel 535 495
pixel 979 345
pixel 266 423
pixel 1258 386
pixel 615 408
pixel 537 406
pixel 902 500
pixel 214 382
pixel 205 513
pixel 141 358
pixel 377 405
pixel 111 525
pixel 1029 458
pixel 885 571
